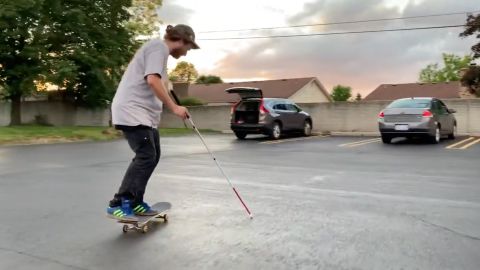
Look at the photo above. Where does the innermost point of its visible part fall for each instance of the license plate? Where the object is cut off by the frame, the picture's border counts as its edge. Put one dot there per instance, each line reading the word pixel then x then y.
pixel 401 127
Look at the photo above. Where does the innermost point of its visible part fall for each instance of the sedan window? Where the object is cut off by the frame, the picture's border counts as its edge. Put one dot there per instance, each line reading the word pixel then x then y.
pixel 441 107
pixel 410 103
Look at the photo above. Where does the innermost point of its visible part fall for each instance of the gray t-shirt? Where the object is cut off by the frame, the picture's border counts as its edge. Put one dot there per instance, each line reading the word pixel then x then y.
pixel 135 103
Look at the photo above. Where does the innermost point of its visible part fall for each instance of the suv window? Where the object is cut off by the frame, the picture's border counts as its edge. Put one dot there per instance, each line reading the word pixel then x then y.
pixel 280 106
pixel 291 108
pixel 248 106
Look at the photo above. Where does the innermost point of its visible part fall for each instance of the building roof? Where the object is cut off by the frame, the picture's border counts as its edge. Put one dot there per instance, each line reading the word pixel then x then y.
pixel 395 91
pixel 282 88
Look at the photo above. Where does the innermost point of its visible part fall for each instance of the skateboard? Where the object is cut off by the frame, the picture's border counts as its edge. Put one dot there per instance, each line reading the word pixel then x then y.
pixel 142 222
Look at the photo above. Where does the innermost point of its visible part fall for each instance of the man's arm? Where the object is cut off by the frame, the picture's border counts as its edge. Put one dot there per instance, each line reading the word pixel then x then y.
pixel 156 84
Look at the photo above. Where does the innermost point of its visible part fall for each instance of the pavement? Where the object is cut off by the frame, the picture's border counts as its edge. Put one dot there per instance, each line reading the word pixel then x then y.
pixel 323 202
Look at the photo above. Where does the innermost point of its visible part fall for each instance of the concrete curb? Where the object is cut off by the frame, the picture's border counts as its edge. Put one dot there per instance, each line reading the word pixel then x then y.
pixel 355 134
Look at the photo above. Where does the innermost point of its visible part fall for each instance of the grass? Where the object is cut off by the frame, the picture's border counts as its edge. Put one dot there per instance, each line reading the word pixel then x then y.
pixel 32 134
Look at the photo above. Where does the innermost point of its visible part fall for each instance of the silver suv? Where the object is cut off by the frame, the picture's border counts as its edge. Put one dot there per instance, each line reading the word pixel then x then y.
pixel 254 114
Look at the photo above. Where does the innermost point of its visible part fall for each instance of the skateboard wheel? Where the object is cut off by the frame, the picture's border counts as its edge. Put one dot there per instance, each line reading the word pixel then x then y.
pixel 165 218
pixel 125 228
pixel 144 228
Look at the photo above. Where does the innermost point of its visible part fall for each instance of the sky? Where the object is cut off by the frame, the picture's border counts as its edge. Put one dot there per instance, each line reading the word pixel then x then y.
pixel 361 61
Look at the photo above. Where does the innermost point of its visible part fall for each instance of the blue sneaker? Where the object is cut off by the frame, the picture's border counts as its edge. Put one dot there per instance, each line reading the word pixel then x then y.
pixel 123 213
pixel 143 209
pixel 120 214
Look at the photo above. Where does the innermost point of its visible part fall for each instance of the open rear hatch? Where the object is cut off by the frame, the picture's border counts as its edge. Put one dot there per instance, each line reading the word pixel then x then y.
pixel 246 92
pixel 248 109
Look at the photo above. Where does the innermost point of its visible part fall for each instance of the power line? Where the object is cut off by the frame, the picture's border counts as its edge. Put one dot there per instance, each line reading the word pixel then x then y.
pixel 342 22
pixel 338 33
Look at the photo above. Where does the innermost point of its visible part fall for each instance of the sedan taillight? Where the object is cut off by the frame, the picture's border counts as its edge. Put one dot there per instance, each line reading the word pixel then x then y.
pixel 427 114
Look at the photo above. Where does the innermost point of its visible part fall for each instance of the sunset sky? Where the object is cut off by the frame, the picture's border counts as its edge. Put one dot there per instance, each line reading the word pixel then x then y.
pixel 362 61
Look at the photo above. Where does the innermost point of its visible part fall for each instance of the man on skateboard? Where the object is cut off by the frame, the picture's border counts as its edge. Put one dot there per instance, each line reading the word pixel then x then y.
pixel 136 110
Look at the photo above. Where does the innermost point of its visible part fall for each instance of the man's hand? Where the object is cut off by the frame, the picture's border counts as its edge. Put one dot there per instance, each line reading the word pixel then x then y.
pixel 181 112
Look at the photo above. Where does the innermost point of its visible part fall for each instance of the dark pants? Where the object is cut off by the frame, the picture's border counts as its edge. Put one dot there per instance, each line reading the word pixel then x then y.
pixel 145 142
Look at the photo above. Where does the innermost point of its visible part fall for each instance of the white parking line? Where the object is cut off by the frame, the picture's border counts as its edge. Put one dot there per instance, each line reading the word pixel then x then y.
pixel 359 143
pixel 470 144
pixel 295 139
pixel 459 143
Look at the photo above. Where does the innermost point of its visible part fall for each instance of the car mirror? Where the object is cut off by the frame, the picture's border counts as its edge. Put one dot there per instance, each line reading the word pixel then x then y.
pixel 452 110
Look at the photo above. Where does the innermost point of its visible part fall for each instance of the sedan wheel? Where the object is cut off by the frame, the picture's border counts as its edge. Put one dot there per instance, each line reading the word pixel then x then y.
pixel 386 139
pixel 454 133
pixel 307 128
pixel 436 138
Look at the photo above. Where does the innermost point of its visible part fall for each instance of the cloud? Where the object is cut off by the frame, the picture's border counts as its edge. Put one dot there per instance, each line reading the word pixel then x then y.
pixel 362 61
pixel 171 13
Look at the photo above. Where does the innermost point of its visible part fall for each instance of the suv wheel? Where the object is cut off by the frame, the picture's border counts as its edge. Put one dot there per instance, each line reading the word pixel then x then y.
pixel 307 128
pixel 240 135
pixel 276 131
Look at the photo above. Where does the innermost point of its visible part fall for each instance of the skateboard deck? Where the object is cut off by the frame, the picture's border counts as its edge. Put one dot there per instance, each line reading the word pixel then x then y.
pixel 142 222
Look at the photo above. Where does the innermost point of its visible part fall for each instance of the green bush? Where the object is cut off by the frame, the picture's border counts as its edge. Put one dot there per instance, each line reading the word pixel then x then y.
pixel 191 101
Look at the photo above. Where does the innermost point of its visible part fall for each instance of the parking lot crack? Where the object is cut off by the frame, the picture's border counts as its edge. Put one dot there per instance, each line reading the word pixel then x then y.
pixel 41 258
pixel 476 238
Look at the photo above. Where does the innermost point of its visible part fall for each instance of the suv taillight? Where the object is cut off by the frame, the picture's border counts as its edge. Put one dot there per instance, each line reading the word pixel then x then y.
pixel 427 113
pixel 234 107
pixel 263 110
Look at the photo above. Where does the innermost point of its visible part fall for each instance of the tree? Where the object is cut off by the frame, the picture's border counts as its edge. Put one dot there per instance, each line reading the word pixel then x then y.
pixel 100 45
pixel 341 93
pixel 473 27
pixel 471 79
pixel 81 46
pixel 22 51
pixel 450 72
pixel 184 72
pixel 209 79
pixel 144 20
pixel 358 97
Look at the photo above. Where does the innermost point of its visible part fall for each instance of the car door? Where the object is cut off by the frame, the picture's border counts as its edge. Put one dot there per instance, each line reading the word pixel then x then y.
pixel 280 108
pixel 441 116
pixel 297 118
pixel 449 118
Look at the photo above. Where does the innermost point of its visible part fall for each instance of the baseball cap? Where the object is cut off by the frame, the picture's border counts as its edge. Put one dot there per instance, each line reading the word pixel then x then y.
pixel 184 32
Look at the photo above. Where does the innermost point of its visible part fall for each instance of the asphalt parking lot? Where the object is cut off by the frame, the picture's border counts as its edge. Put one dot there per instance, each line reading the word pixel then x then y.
pixel 321 202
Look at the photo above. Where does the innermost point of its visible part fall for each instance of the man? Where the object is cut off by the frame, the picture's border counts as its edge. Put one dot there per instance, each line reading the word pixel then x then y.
pixel 136 110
